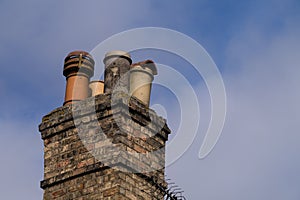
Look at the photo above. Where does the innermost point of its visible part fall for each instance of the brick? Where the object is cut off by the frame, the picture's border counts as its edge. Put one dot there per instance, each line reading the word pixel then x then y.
pixel 72 172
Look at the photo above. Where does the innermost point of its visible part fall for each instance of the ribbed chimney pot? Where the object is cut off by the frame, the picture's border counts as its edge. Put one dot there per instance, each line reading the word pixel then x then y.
pixel 78 69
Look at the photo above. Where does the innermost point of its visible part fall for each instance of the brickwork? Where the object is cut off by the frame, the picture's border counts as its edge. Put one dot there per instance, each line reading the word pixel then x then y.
pixel 92 148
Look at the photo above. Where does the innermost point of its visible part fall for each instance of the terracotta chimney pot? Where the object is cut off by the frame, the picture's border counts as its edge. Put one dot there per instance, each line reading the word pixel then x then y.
pixel 78 69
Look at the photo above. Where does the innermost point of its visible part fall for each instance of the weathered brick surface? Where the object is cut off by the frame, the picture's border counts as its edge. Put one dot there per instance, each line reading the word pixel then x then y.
pixel 92 148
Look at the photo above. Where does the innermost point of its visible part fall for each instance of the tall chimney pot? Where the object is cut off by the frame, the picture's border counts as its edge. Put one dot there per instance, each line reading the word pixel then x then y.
pixel 141 77
pixel 117 65
pixel 78 69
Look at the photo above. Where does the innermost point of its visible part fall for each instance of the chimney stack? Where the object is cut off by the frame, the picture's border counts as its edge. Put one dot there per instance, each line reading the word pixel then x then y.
pixel 78 69
pixel 117 64
pixel 141 77
pixel 105 151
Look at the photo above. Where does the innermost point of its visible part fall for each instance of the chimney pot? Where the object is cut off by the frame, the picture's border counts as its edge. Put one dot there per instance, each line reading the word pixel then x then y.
pixel 78 69
pixel 96 88
pixel 117 65
pixel 141 77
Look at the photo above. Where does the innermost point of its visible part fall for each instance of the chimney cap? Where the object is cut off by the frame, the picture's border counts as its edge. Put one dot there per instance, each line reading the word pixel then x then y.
pixel 78 52
pixel 79 59
pixel 146 64
pixel 117 53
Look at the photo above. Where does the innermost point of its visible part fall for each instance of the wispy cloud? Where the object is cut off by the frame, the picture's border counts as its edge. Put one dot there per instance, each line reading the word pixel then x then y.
pixel 257 156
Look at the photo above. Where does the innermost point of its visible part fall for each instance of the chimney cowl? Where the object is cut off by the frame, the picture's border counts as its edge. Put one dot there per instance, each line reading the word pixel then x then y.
pixel 146 65
pixel 78 69
pixel 79 61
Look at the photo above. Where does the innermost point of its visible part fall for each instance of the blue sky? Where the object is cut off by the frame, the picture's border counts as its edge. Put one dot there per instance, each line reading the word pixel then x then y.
pixel 255 45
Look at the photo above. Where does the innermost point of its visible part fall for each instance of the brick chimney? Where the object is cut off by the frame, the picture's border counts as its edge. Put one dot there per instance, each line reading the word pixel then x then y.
pixel 93 148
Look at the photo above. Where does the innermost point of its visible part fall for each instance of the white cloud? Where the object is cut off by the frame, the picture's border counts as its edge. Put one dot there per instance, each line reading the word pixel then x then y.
pixel 257 155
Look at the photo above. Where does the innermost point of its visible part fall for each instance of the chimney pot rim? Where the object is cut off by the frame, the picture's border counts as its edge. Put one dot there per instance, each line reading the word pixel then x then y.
pixel 146 64
pixel 96 81
pixel 117 53
pixel 78 52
